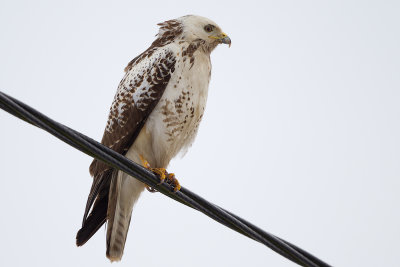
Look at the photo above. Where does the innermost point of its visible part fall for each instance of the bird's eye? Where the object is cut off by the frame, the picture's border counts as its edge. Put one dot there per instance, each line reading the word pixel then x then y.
pixel 208 28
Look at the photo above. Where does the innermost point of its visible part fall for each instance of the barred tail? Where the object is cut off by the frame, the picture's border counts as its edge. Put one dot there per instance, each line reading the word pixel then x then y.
pixel 124 192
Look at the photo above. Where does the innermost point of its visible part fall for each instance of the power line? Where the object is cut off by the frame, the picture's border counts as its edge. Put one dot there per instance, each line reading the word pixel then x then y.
pixel 184 196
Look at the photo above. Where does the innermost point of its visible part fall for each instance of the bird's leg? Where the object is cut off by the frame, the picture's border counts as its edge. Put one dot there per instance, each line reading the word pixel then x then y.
pixel 162 174
pixel 146 164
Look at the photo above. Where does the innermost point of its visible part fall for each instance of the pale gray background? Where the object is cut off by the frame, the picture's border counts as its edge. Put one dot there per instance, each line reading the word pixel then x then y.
pixel 300 135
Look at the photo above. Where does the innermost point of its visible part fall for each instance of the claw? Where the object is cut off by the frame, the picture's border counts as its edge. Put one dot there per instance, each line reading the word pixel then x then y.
pixel 162 174
pixel 151 189
pixel 173 181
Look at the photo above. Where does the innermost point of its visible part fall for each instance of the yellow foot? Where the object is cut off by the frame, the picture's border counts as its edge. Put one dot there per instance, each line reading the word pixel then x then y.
pixel 145 163
pixel 173 181
pixel 162 174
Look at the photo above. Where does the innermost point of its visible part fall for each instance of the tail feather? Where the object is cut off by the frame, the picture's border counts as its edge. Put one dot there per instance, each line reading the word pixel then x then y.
pixel 124 192
pixel 113 195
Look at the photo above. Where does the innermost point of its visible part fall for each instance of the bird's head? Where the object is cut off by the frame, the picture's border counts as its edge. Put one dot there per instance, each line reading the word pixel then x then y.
pixel 190 28
pixel 196 27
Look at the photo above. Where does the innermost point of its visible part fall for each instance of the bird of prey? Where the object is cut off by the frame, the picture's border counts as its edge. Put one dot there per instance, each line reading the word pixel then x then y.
pixel 155 115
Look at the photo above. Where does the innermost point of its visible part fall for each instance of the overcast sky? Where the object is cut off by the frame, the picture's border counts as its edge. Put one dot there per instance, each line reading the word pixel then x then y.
pixel 300 135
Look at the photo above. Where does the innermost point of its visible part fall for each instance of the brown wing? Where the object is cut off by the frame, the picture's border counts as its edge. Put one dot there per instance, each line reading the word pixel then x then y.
pixel 137 95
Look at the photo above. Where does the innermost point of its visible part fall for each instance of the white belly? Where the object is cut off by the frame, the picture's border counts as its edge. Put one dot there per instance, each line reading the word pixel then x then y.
pixel 173 124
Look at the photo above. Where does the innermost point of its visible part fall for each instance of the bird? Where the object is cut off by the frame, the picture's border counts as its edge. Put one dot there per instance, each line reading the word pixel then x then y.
pixel 154 116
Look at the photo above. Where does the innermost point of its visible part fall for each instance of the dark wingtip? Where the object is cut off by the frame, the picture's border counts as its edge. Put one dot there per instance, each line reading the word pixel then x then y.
pixel 84 234
pixel 95 220
pixel 88 230
pixel 80 241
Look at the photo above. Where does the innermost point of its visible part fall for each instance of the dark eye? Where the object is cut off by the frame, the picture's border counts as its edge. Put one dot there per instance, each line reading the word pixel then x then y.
pixel 209 28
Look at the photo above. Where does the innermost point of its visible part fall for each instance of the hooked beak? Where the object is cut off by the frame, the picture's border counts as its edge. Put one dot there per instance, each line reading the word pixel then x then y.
pixel 223 38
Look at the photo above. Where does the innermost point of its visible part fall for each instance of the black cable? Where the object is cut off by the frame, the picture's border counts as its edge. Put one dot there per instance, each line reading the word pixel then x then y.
pixel 184 196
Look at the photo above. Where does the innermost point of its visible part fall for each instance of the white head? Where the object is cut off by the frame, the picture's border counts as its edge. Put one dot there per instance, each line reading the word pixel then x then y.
pixel 190 28
pixel 196 27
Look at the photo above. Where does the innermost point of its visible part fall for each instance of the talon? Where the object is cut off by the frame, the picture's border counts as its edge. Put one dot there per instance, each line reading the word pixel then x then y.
pixel 160 172
pixel 151 189
pixel 172 180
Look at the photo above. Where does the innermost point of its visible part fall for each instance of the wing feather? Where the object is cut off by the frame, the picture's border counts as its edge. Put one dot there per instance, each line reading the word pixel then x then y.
pixel 138 93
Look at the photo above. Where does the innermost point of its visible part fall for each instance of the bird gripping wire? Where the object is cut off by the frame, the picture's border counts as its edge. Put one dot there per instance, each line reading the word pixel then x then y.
pixel 184 196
